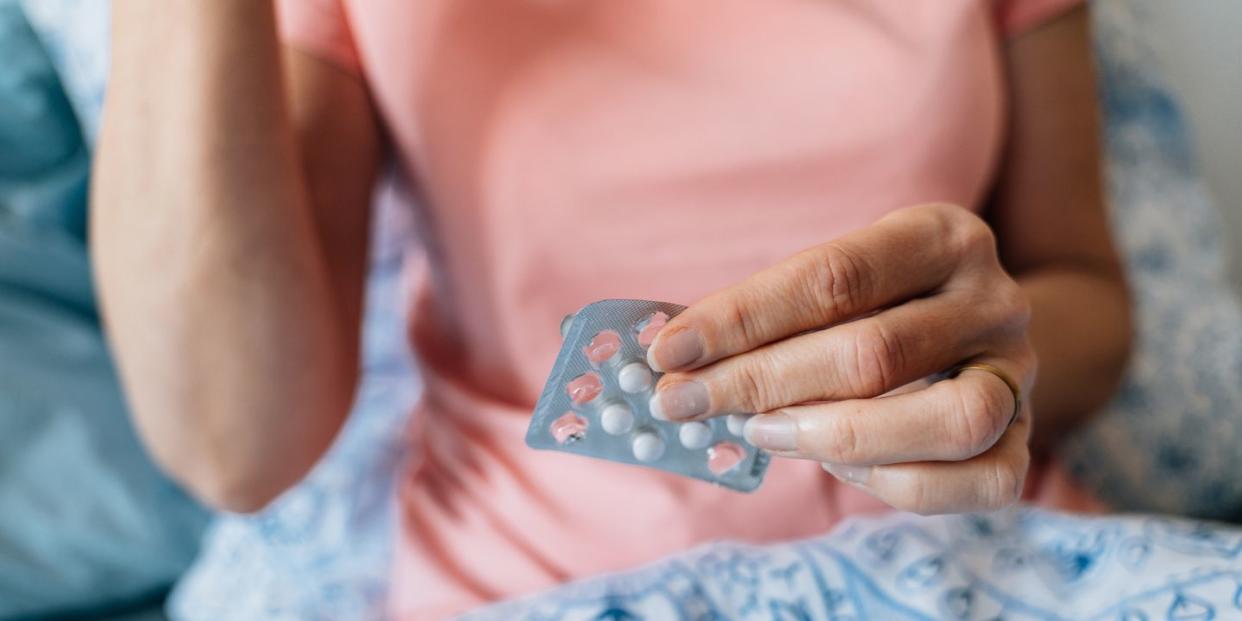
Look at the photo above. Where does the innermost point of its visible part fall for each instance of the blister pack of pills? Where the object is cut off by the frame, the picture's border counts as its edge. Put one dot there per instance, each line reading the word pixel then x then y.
pixel 596 402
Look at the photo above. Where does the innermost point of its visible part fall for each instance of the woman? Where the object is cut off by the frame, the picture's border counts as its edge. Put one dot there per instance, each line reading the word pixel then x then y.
pixel 812 172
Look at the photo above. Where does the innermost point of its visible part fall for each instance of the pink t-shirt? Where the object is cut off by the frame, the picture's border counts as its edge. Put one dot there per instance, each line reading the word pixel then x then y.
pixel 567 151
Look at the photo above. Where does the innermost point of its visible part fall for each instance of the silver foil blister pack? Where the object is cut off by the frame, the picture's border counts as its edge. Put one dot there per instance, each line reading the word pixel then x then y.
pixel 595 402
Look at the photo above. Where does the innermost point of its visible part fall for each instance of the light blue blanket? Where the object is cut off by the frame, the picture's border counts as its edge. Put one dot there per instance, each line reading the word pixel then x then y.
pixel 1022 565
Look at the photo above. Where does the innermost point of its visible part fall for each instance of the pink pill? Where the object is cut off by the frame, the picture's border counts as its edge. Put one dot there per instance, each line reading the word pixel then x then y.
pixel 570 427
pixel 724 457
pixel 649 327
pixel 603 347
pixel 584 388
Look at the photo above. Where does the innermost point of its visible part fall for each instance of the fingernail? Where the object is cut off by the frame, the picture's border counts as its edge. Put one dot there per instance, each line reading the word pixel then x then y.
pixel 680 401
pixel 775 432
pixel 854 475
pixel 674 350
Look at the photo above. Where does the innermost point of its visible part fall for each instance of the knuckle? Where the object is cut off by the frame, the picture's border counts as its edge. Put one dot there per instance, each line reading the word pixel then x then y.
pixel 738 313
pixel 1004 485
pixel 982 417
pixel 1029 359
pixel 1014 304
pixel 971 235
pixel 836 280
pixel 754 387
pixel 942 214
pixel 842 445
pixel 946 217
pixel 966 233
pixel 916 496
pixel 879 357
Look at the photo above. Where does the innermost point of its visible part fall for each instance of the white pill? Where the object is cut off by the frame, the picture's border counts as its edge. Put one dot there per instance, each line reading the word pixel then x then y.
pixel 736 423
pixel 634 377
pixel 616 419
pixel 647 446
pixel 695 435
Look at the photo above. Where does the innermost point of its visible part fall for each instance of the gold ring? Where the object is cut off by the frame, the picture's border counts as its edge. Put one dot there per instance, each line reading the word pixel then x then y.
pixel 1004 377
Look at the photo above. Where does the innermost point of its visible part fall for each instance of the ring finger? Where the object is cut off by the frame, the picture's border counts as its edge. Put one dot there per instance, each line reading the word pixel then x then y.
pixel 991 481
pixel 951 420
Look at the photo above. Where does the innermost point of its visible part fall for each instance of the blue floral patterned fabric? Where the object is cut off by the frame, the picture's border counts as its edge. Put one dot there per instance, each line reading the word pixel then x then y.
pixel 1022 565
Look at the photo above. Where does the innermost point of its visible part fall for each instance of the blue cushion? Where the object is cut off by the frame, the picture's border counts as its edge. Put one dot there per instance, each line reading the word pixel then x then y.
pixel 43 160
pixel 75 35
pixel 86 520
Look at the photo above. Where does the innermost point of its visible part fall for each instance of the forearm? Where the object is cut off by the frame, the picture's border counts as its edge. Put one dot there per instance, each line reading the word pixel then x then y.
pixel 217 299
pixel 1050 216
pixel 1081 330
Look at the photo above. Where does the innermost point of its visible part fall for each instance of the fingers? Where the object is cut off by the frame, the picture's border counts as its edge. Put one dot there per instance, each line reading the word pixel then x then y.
pixel 908 253
pixel 863 358
pixel 991 481
pixel 951 420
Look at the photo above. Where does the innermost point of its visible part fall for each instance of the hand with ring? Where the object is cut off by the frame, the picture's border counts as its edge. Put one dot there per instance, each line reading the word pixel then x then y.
pixel 835 347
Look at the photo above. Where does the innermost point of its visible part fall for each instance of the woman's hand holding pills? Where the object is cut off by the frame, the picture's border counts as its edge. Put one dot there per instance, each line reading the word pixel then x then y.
pixel 833 348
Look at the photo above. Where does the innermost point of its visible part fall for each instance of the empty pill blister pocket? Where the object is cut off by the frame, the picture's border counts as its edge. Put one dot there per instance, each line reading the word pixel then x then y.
pixel 595 402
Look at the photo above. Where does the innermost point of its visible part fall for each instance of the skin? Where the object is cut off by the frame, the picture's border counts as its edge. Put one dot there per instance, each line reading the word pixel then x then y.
pixel 229 242
pixel 239 231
